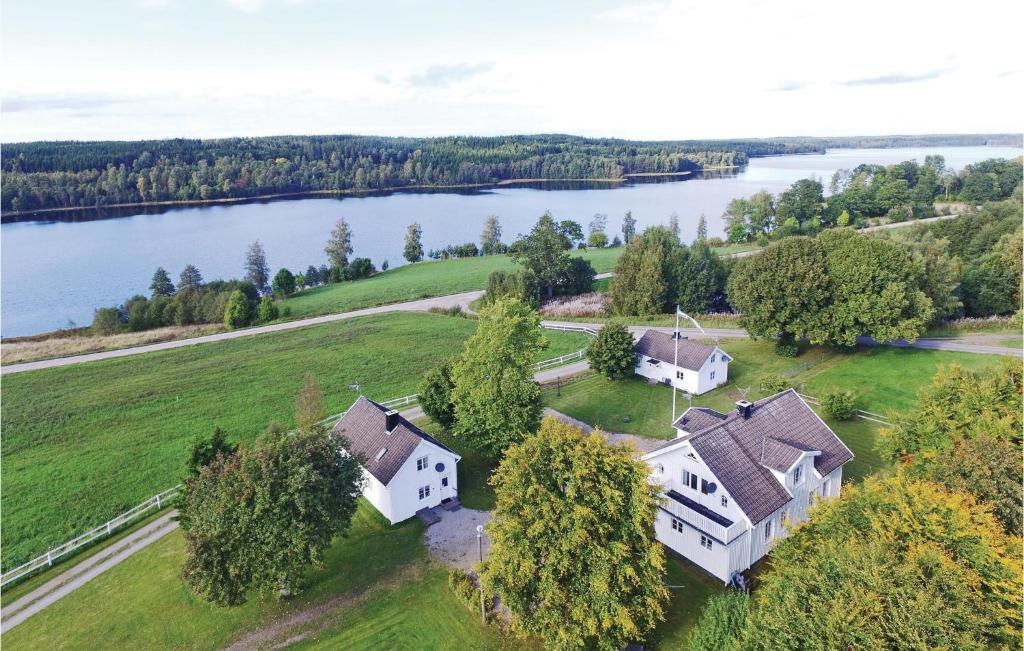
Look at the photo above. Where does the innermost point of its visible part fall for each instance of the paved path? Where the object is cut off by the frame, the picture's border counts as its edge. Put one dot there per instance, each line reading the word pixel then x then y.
pixel 81 573
pixel 462 300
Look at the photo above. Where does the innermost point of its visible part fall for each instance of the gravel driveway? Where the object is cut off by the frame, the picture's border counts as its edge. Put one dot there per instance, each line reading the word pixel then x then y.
pixel 453 539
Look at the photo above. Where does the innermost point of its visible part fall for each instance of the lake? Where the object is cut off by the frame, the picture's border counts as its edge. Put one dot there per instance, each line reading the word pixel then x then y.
pixel 54 274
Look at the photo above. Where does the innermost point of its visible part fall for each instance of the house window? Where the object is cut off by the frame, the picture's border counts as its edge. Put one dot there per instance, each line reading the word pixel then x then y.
pixel 421 463
pixel 677 525
pixel 424 492
pixel 768 530
pixel 690 479
pixel 725 502
pixel 712 375
pixel 705 542
pixel 679 375
pixel 796 476
pixel 444 482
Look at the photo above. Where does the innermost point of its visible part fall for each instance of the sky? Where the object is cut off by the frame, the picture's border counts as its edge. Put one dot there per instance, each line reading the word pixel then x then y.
pixel 645 69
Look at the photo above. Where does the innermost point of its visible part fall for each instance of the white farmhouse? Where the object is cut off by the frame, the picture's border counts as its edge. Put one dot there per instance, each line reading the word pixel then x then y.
pixel 734 483
pixel 699 367
pixel 404 468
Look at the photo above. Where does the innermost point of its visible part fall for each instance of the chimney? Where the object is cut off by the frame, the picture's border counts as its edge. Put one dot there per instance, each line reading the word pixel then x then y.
pixel 390 420
pixel 743 408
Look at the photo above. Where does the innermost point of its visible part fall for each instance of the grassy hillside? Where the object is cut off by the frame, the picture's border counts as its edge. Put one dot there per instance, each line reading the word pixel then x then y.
pixel 422 280
pixel 83 443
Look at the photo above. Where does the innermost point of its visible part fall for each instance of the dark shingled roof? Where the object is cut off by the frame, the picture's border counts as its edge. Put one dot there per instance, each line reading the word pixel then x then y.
pixel 364 428
pixel 740 450
pixel 661 346
pixel 698 418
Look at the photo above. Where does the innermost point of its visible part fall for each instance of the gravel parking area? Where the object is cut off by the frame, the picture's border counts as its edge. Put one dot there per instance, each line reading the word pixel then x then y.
pixel 453 539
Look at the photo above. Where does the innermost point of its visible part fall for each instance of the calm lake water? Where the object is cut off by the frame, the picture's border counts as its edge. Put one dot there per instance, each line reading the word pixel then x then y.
pixel 54 274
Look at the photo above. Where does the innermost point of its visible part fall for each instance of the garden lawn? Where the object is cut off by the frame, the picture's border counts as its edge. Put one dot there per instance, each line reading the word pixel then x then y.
pixel 692 587
pixel 420 280
pixel 82 443
pixel 142 603
pixel 882 378
pixel 474 469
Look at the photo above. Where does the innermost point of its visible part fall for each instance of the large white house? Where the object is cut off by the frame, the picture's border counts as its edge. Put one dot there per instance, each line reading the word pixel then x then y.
pixel 735 483
pixel 404 468
pixel 696 368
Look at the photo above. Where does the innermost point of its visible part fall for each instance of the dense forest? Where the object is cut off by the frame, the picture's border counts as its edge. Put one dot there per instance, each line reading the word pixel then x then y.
pixel 47 175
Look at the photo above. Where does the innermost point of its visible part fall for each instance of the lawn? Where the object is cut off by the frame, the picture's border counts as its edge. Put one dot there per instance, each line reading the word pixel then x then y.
pixel 82 443
pixel 691 587
pixel 142 603
pixel 882 378
pixel 474 469
pixel 421 280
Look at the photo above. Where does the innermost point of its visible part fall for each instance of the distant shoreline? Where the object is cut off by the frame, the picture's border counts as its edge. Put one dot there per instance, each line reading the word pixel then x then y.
pixel 32 215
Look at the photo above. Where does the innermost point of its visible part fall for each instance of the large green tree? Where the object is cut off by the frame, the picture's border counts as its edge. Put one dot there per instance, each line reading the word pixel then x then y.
pixel 543 252
pixel 497 403
pixel 258 519
pixel 611 353
pixel 643 273
pixel 435 395
pixel 256 269
pixel 161 284
pixel 490 238
pixel 413 251
pixel 573 553
pixel 784 291
pixel 339 244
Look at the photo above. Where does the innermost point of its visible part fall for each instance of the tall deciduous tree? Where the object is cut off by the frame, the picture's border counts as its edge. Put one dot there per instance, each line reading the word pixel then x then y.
pixel 628 227
pixel 543 253
pixel 258 520
pixel 611 353
pixel 161 284
pixel 256 270
pixel 497 403
pixel 190 278
pixel 339 245
pixel 284 283
pixel 413 243
pixel 573 553
pixel 490 238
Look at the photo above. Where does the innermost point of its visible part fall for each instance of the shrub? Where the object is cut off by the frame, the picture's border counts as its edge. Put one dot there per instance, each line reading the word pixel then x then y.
pixel 773 383
pixel 454 310
pixel 786 347
pixel 238 313
pixel 436 395
pixel 839 405
pixel 284 283
pixel 359 269
pixel 611 352
pixel 598 240
pixel 464 585
pixel 721 622
pixel 716 242
pixel 266 311
pixel 106 321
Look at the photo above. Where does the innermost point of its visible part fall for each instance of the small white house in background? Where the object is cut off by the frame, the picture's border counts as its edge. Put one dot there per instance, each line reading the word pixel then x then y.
pixel 699 367
pixel 732 484
pixel 405 469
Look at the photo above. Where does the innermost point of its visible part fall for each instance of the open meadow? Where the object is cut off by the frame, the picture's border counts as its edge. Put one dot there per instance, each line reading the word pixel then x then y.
pixel 82 443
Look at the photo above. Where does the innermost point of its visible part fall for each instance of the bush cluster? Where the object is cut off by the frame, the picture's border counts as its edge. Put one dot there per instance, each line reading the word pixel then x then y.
pixel 839 405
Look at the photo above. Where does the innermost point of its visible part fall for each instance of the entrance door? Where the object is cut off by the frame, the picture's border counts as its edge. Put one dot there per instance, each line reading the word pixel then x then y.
pixel 447 490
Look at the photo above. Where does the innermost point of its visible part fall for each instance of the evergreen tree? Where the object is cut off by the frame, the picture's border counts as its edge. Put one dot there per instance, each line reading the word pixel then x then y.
pixel 204 451
pixel 313 276
pixel 238 312
pixel 256 270
pixel 190 278
pixel 284 283
pixel 161 285
pixel 673 225
pixel 576 561
pixel 702 228
pixel 339 246
pixel 413 243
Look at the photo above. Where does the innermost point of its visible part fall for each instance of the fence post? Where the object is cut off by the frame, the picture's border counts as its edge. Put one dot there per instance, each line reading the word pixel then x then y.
pixel 49 559
pixel 158 502
pixel 108 527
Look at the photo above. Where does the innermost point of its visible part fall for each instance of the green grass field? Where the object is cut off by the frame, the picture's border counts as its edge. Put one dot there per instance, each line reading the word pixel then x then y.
pixel 142 603
pixel 83 443
pixel 421 280
pixel 882 378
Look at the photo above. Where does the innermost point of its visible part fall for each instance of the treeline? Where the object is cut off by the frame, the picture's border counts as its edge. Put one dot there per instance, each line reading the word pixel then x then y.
pixel 44 175
pixel 900 192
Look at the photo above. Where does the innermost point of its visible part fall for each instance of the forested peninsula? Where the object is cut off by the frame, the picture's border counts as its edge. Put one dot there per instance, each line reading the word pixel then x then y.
pixel 48 176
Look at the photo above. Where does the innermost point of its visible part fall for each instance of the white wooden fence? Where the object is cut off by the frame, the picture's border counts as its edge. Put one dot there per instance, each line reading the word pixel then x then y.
pixel 46 560
pixel 858 413
pixel 157 501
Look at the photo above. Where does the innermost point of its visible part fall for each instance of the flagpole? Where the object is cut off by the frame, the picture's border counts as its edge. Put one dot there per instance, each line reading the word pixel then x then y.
pixel 675 365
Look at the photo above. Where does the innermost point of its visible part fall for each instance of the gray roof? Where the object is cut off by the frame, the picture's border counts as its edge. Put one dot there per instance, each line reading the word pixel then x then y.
pixel 698 418
pixel 661 346
pixel 740 451
pixel 363 427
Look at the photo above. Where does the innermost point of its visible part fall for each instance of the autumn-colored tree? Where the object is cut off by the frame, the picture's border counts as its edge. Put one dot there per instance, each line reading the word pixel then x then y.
pixel 496 401
pixel 573 553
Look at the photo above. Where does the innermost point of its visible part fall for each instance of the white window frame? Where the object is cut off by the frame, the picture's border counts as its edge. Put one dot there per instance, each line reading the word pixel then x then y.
pixel 690 480
pixel 725 502
pixel 422 463
pixel 706 542
pixel 677 524
pixel 797 476
pixel 424 492
pixel 712 375
pixel 680 375
pixel 768 530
